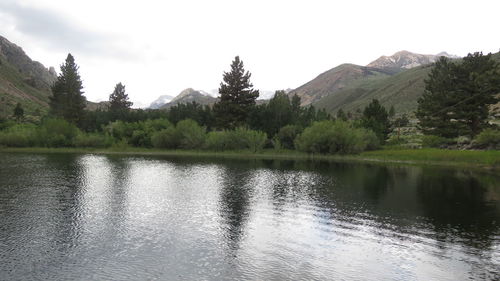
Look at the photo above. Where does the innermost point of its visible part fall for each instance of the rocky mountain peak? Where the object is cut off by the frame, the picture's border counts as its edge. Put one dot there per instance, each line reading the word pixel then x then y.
pixel 405 60
pixel 35 74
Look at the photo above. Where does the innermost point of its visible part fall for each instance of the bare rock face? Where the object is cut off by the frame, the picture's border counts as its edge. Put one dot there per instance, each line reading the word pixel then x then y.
pixel 35 74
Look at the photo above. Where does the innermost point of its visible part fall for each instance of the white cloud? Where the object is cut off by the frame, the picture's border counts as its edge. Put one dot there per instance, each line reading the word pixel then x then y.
pixel 162 47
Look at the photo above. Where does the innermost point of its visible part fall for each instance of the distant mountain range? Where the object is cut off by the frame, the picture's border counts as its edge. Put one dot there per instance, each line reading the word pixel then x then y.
pixel 160 101
pixel 188 95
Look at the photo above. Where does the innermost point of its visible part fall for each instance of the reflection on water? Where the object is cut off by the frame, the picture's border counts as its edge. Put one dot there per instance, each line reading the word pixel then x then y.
pixel 93 217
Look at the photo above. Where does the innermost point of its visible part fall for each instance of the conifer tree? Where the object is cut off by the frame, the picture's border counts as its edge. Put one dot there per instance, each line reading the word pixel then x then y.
pixel 375 117
pixel 457 96
pixel 18 112
pixel 67 100
pixel 237 96
pixel 118 100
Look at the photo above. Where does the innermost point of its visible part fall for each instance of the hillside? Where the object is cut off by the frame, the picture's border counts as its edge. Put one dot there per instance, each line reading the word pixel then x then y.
pixel 22 80
pixel 190 95
pixel 334 80
pixel 400 90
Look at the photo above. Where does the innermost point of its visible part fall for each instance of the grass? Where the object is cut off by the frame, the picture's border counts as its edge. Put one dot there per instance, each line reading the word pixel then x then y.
pixel 457 158
pixel 484 158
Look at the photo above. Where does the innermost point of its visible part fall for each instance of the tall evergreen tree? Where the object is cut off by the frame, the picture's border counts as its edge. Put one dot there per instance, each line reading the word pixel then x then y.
pixel 237 96
pixel 67 100
pixel 18 112
pixel 457 96
pixel 376 118
pixel 118 100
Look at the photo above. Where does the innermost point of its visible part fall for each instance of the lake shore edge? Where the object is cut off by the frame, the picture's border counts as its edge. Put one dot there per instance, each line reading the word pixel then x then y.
pixel 484 160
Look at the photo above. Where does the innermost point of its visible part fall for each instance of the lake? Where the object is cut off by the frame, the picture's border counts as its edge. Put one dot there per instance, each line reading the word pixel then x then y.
pixel 112 217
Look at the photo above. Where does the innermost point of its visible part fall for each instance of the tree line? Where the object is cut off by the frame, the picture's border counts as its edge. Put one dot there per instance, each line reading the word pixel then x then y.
pixel 455 103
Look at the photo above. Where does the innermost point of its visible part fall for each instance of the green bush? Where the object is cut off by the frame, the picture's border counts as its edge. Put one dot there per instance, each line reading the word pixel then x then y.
pixel 137 133
pixel 166 138
pixel 335 137
pixel 56 133
pixel 435 141
pixel 238 139
pixel 191 135
pixel 489 138
pixel 93 140
pixel 22 135
pixel 287 136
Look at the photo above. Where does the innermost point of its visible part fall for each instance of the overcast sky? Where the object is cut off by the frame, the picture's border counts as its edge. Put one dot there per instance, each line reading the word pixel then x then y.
pixel 163 47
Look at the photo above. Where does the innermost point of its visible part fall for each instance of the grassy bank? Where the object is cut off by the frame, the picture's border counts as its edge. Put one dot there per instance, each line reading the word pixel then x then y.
pixel 473 159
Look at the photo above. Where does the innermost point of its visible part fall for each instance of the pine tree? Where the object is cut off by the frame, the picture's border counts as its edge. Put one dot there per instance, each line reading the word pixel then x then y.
pixel 392 112
pixel 237 96
pixel 341 115
pixel 457 96
pixel 18 112
pixel 67 100
pixel 118 100
pixel 479 78
pixel 375 117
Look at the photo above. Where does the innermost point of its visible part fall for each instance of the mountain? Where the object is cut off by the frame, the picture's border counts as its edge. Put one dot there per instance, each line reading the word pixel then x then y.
pixel 347 78
pixel 405 60
pixel 334 80
pixel 190 95
pixel 160 101
pixel 400 90
pixel 23 80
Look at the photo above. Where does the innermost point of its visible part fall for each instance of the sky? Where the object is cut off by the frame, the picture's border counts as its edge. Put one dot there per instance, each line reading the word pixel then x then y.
pixel 162 47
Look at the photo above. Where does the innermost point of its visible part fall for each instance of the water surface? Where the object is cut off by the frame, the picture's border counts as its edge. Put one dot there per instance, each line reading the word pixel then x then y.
pixel 97 217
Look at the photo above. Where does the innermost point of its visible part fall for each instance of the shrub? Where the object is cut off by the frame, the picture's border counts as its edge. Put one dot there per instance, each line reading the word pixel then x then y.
pixel 335 137
pixel 166 138
pixel 191 135
pixel 217 140
pixel 18 136
pixel 255 140
pixel 93 140
pixel 287 136
pixel 238 139
pixel 56 133
pixel 435 141
pixel 488 138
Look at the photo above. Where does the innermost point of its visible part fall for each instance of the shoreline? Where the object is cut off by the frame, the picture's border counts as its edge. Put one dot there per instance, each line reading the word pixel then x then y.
pixel 484 160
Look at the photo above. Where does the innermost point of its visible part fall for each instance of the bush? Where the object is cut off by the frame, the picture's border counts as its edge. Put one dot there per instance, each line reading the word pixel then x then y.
pixel 56 133
pixel 489 138
pixel 191 135
pixel 435 141
pixel 287 136
pixel 238 139
pixel 166 138
pixel 335 137
pixel 18 136
pixel 93 140
pixel 137 133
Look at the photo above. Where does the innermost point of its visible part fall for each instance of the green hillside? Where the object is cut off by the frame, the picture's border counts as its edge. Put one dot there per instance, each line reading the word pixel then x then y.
pixel 336 79
pixel 15 87
pixel 400 90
